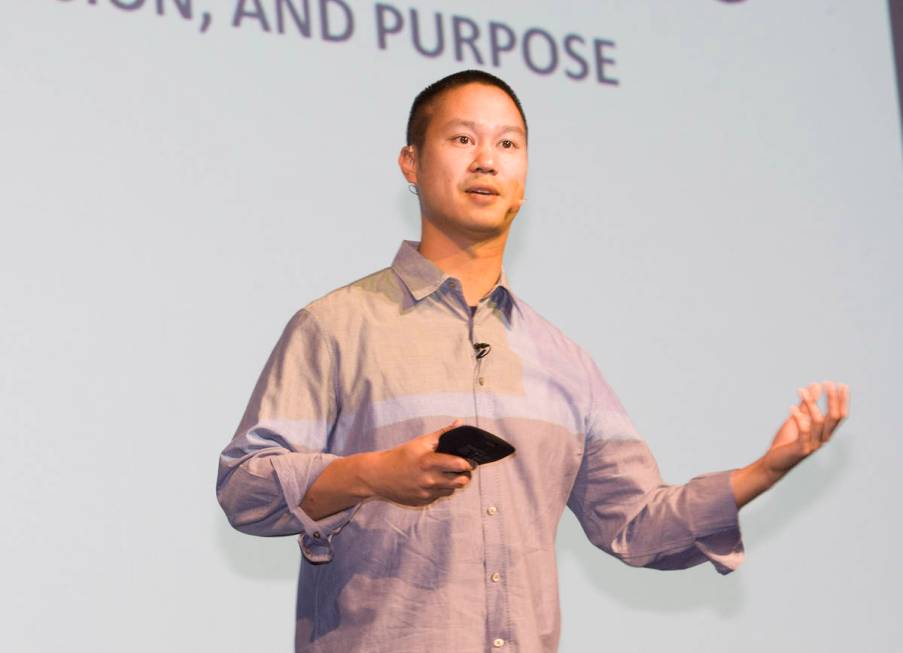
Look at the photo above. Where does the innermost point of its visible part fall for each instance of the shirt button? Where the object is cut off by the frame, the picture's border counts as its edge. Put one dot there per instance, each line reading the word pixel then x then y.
pixel 498 642
pixel 491 510
pixel 496 577
pixel 316 535
pixel 482 380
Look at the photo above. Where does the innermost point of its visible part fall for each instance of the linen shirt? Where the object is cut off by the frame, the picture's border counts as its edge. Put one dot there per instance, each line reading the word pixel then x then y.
pixel 390 357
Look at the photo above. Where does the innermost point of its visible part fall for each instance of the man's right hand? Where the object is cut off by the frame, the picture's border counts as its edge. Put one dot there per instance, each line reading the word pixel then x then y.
pixel 414 474
pixel 411 473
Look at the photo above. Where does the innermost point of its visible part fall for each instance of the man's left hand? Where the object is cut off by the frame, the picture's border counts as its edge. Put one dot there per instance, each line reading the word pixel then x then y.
pixel 806 428
pixel 804 431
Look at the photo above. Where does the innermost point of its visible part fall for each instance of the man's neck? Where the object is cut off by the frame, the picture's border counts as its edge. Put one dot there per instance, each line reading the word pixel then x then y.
pixel 476 264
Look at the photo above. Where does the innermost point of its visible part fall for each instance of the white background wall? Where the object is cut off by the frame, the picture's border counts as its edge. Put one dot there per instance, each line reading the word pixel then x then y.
pixel 717 230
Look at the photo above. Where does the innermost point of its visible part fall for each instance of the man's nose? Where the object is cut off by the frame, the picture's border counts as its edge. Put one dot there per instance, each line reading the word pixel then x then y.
pixel 483 160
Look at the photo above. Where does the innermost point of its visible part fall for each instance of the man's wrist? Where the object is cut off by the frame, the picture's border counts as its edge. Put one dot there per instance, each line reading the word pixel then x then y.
pixel 363 468
pixel 749 482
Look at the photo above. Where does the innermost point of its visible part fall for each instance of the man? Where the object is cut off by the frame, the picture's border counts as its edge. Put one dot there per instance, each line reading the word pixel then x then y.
pixel 407 549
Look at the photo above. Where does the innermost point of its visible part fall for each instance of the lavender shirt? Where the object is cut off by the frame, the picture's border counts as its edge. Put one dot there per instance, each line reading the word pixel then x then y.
pixel 390 357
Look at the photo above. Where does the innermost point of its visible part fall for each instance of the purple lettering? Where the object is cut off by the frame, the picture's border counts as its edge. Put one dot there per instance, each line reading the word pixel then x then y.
pixel 528 53
pixel 461 39
pixel 302 25
pixel 127 6
pixel 496 46
pixel 241 13
pixel 183 7
pixel 415 35
pixel 602 61
pixel 329 35
pixel 382 28
pixel 584 66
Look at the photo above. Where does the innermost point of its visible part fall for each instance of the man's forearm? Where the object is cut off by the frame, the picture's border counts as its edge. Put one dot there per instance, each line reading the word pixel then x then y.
pixel 342 484
pixel 339 486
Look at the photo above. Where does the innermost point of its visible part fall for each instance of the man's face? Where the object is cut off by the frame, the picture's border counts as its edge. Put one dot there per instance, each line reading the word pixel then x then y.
pixel 471 170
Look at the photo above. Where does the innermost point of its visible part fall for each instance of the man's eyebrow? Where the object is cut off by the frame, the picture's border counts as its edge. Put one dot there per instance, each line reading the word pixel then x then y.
pixel 472 125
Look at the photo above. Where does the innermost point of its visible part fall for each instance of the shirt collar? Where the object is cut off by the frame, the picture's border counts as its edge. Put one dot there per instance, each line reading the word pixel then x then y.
pixel 422 277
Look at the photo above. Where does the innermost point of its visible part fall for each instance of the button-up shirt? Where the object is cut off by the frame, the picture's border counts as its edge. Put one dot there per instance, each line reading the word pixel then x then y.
pixel 390 357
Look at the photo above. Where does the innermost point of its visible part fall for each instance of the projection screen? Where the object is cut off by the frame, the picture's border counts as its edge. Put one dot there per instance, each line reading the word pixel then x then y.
pixel 713 211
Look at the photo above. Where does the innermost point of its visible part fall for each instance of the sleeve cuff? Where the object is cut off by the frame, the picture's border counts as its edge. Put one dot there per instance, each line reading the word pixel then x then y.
pixel 715 521
pixel 296 472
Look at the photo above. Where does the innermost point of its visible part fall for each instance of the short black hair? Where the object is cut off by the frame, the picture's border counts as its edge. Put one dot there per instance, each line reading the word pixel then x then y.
pixel 419 118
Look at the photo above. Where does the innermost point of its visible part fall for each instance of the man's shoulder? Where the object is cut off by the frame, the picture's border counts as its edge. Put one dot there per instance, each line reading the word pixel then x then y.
pixel 380 287
pixel 559 352
pixel 547 335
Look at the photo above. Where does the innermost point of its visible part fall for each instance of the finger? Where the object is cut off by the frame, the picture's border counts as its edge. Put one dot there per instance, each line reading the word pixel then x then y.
pixel 466 474
pixel 458 475
pixel 844 401
pixel 435 435
pixel 815 415
pixel 833 410
pixel 439 482
pixel 455 424
pixel 802 424
pixel 815 390
pixel 446 462
pixel 458 481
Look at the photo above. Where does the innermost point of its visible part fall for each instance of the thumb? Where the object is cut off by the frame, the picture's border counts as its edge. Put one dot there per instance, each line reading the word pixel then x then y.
pixel 458 422
pixel 434 436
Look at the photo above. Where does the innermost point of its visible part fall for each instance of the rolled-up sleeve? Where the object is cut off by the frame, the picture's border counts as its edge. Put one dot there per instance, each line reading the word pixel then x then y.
pixel 625 509
pixel 281 444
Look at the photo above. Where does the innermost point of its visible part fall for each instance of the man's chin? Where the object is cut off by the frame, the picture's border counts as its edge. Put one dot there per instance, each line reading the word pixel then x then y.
pixel 483 230
pixel 472 226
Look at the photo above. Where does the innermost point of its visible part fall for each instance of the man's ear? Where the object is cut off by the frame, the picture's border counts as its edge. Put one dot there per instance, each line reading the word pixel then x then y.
pixel 407 161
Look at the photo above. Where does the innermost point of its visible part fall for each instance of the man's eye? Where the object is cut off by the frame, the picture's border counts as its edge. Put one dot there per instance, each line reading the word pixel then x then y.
pixel 508 144
pixel 463 140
